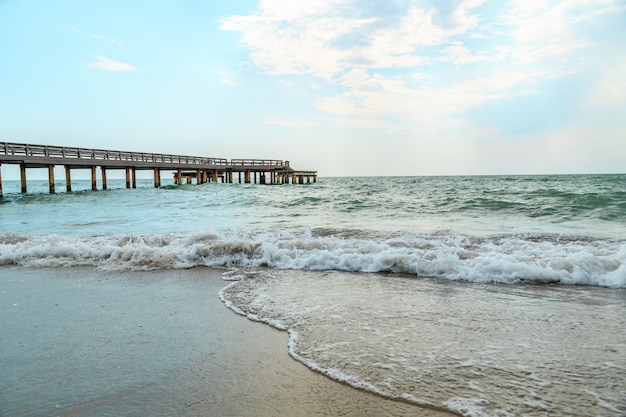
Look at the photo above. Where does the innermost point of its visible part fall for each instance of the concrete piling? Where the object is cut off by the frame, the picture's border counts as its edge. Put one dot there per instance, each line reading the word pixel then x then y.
pixel 94 184
pixel 157 178
pixel 51 178
pixel 23 178
pixel 104 177
pixel 68 179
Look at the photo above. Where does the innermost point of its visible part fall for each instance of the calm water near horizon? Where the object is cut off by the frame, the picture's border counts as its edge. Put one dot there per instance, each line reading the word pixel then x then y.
pixel 456 292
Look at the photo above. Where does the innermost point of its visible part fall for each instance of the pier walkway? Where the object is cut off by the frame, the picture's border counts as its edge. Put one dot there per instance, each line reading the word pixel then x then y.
pixel 201 169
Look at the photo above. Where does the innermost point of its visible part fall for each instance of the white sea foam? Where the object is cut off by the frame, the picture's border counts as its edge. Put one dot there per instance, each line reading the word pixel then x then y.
pixel 505 259
pixel 479 350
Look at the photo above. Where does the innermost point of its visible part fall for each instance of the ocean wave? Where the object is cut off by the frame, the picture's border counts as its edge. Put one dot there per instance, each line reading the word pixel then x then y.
pixel 501 259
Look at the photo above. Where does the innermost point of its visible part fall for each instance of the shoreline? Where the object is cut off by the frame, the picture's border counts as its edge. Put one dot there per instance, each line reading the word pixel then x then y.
pixel 86 342
pixel 292 338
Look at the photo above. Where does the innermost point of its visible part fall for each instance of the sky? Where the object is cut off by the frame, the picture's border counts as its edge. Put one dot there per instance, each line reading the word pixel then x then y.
pixel 345 87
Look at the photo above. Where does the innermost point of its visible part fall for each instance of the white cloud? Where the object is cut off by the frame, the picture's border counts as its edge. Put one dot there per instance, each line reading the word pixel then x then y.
pixel 324 39
pixel 398 68
pixel 105 64
pixel 461 16
pixel 288 10
pixel 609 88
pixel 370 96
pixel 227 78
pixel 525 8
pixel 544 31
pixel 321 41
pixel 295 37
pixel 460 55
pixel 599 12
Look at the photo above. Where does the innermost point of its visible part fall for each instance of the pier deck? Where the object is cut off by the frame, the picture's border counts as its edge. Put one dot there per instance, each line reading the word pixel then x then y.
pixel 202 169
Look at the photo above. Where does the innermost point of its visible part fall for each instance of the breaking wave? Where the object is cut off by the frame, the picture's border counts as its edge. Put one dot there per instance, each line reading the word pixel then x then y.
pixel 502 259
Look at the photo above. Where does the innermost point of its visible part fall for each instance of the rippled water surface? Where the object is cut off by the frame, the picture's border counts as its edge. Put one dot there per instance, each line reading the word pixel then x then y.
pixel 481 350
pixel 568 229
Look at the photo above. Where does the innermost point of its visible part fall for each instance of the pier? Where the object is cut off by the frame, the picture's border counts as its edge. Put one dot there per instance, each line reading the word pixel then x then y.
pixel 189 168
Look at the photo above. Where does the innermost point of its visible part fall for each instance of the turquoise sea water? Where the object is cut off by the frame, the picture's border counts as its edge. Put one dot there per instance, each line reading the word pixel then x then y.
pixel 489 296
pixel 567 229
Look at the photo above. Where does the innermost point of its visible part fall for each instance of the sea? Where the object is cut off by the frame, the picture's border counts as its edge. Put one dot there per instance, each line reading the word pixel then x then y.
pixel 481 295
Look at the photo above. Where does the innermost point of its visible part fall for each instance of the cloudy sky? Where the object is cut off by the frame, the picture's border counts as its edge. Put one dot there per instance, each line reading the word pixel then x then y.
pixel 347 87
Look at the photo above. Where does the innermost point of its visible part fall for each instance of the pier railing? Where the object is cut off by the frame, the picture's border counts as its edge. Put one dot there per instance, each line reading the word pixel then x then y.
pixel 18 149
pixel 259 162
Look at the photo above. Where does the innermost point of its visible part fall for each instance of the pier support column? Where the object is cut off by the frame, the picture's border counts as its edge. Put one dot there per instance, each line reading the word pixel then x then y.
pixel 198 177
pixel 179 177
pixel 0 180
pixel 94 185
pixel 255 177
pixel 23 177
pixel 51 178
pixel 215 174
pixel 294 179
pixel 247 179
pixel 127 177
pixel 230 176
pixel 68 179
pixel 239 177
pixel 134 175
pixel 157 178
pixel 104 178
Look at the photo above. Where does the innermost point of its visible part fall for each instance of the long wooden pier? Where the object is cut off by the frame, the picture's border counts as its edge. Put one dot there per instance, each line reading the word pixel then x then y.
pixel 201 169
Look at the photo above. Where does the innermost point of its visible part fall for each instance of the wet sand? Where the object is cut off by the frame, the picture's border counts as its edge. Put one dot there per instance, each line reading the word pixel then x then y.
pixel 79 342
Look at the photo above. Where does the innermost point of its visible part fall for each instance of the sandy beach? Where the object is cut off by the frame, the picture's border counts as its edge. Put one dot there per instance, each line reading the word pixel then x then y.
pixel 81 342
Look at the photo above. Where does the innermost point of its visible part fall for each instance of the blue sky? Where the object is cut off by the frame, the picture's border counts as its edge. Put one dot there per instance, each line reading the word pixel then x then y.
pixel 347 87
